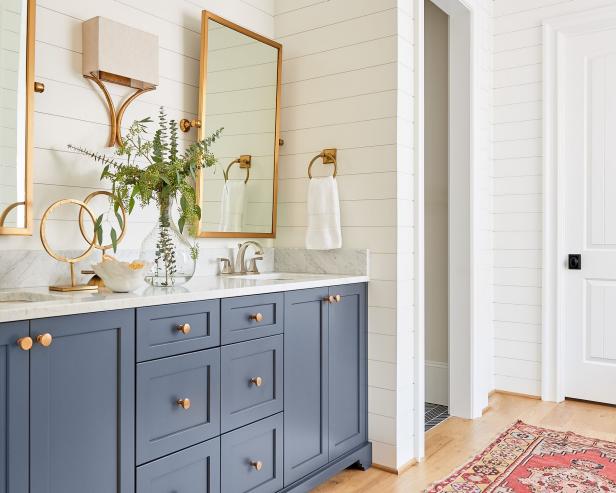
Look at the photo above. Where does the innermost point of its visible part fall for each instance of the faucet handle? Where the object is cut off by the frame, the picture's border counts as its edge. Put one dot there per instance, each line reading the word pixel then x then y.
pixel 226 268
pixel 252 264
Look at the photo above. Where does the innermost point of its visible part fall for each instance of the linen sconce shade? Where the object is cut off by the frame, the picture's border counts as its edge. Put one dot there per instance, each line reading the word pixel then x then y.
pixel 118 53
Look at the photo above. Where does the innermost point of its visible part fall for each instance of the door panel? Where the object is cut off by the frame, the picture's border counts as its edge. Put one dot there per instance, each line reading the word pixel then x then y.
pixel 347 369
pixel 588 157
pixel 82 404
pixel 306 398
pixel 251 381
pixel 194 470
pixel 164 425
pixel 14 403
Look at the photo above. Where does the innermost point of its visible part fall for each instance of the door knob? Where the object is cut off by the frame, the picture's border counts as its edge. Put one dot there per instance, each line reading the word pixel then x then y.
pixel 25 343
pixel 184 403
pixel 44 340
pixel 184 328
pixel 575 261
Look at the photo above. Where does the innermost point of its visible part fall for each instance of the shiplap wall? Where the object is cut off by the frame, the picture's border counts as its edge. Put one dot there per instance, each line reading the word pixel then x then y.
pixel 517 181
pixel 72 111
pixel 340 89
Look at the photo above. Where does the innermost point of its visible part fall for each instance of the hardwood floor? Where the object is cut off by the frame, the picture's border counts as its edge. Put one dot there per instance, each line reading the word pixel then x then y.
pixel 455 441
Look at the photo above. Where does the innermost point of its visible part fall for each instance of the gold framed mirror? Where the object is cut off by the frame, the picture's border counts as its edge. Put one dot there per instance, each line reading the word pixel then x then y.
pixel 17 30
pixel 240 82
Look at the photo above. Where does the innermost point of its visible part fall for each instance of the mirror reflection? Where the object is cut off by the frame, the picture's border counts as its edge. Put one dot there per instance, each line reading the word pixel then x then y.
pixel 239 93
pixel 15 88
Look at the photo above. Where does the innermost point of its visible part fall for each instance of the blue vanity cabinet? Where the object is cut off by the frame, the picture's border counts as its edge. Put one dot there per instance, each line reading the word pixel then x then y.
pixel 82 404
pixel 14 432
pixel 306 442
pixel 347 354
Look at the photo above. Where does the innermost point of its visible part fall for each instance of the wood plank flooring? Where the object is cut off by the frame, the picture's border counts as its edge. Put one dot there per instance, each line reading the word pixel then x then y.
pixel 454 442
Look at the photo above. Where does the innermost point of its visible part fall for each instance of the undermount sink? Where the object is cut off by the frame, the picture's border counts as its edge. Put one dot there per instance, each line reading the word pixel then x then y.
pixel 26 297
pixel 269 276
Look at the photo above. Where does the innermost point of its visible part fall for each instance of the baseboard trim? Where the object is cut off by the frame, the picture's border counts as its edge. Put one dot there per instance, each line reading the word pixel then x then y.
pixel 401 470
pixel 514 394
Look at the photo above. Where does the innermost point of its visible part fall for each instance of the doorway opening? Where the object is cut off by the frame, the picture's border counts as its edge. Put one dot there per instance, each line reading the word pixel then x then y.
pixel 436 213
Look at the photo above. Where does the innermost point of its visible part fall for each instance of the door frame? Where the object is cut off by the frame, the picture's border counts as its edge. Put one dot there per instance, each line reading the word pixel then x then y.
pixel 555 31
pixel 466 396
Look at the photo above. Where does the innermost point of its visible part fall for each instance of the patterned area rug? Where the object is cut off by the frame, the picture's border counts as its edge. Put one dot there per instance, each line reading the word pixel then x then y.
pixel 529 459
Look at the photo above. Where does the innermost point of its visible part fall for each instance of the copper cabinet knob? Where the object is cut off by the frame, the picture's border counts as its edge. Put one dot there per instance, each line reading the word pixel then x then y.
pixel 256 464
pixel 44 340
pixel 258 381
pixel 330 299
pixel 25 343
pixel 184 328
pixel 258 317
pixel 338 298
pixel 186 124
pixel 39 87
pixel 184 403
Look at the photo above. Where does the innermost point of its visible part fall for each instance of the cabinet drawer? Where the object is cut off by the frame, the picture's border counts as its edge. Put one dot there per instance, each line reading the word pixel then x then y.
pixel 250 317
pixel 164 425
pixel 251 458
pixel 251 381
pixel 168 330
pixel 194 470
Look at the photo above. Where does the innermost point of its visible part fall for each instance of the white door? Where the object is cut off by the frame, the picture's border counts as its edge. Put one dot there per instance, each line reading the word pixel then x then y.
pixel 587 157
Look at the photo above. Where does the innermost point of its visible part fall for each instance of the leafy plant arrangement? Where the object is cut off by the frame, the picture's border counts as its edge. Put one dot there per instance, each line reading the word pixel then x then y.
pixel 145 171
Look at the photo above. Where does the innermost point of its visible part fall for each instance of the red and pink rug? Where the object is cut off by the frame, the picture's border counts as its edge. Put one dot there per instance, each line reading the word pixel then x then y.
pixel 529 459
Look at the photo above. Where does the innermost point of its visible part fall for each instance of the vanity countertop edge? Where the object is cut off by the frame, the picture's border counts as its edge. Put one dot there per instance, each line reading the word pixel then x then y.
pixel 199 288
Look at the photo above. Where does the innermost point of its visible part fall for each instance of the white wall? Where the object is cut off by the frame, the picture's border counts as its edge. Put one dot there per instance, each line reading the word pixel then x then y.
pixel 436 200
pixel 340 89
pixel 517 181
pixel 72 111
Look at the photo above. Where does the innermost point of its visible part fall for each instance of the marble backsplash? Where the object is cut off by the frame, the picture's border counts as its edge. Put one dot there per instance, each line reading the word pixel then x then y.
pixel 35 268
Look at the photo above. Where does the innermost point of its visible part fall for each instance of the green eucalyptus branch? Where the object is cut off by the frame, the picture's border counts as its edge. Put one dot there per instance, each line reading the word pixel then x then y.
pixel 154 170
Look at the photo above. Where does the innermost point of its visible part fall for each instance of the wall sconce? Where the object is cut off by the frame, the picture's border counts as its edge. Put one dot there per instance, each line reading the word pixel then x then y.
pixel 117 53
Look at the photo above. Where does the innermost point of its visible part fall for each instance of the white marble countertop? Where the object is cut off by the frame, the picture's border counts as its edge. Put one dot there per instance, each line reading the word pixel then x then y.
pixel 198 288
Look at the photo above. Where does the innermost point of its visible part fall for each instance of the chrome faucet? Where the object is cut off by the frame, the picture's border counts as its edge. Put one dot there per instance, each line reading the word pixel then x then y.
pixel 240 264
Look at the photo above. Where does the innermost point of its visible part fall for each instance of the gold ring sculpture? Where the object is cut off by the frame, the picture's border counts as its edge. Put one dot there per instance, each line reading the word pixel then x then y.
pixel 95 280
pixel 61 258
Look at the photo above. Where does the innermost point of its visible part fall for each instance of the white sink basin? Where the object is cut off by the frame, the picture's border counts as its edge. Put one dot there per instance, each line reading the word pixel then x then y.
pixel 270 276
pixel 15 297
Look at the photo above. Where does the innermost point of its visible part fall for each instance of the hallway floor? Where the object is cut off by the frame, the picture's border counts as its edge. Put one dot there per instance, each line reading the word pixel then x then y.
pixel 435 415
pixel 455 441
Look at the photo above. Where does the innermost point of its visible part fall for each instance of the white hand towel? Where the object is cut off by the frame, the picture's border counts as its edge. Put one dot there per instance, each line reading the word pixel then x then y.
pixel 323 231
pixel 233 201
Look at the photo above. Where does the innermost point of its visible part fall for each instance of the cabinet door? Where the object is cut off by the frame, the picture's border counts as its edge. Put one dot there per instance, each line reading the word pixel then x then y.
pixel 347 369
pixel 82 409
pixel 305 383
pixel 13 409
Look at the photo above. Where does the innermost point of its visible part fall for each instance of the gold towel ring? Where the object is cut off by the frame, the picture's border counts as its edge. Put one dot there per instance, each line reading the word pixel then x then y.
pixel 329 157
pixel 245 162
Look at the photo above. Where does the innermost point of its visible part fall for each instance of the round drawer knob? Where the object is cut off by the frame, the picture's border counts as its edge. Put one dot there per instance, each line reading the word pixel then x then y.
pixel 258 317
pixel 330 299
pixel 256 464
pixel 184 328
pixel 258 381
pixel 338 298
pixel 44 340
pixel 25 343
pixel 184 404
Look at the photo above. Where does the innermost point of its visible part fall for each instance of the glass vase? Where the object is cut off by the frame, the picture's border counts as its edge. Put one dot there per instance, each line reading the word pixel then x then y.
pixel 172 257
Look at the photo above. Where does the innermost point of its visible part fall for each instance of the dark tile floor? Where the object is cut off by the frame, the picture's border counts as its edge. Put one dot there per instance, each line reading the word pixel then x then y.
pixel 435 414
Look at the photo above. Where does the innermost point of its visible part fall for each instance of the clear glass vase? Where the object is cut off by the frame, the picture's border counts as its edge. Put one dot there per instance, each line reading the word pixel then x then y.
pixel 173 258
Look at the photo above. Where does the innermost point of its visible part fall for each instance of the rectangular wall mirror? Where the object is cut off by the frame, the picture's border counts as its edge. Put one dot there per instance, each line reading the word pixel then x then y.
pixel 16 93
pixel 240 91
